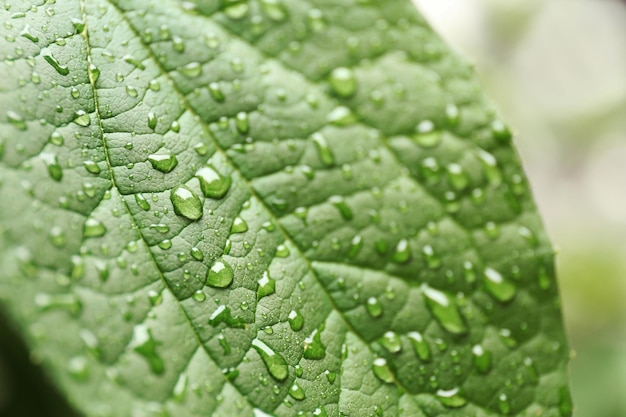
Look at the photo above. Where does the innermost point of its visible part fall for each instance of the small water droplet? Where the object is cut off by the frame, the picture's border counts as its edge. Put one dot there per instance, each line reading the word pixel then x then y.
pixel 391 341
pixel 267 286
pixel 340 203
pixel 52 163
pixel 482 359
pixel 444 309
pixel 239 226
pixel 498 287
pixel 237 11
pixel 180 389
pixel 282 251
pixel 144 344
pixel 275 363
pixel 565 402
pixel 186 203
pixel 382 371
pixel 296 320
pixel 191 70
pixel 47 55
pixel 296 392
pixel 341 116
pixel 274 9
pixel 500 131
pixel 314 349
pixel 220 275
pixel 91 167
pixel 213 184
pixel 242 123
pixel 374 308
pixel 432 260
pixel 81 118
pixel 216 92
pixel 16 120
pixel 78 369
pixel 93 228
pixel 457 177
pixel 503 404
pixel 343 82
pixel 323 150
pixel 402 252
pixel 420 344
pixel 451 398
pixel 452 114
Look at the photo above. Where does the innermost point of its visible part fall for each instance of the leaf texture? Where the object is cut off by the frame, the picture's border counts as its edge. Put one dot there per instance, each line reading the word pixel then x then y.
pixel 265 208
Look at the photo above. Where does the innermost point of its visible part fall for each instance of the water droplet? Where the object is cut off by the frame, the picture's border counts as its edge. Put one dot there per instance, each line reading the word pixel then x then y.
pixel 239 226
pixel 296 392
pixel 314 349
pixel 391 341
pixel 81 118
pixel 275 363
pixel 165 244
pixel 451 398
pixel 323 150
pixel 66 302
pixel 374 308
pixel 503 404
pixel 91 167
pixel 220 275
pixel 242 123
pixel 152 120
pixel 500 131
pixel 343 82
pixel 565 402
pixel 482 359
pixel 180 389
pixel 267 286
pixel 222 315
pixel 420 344
pixel 320 412
pixel 274 9
pixel 427 137
pixel 499 288
pixel 28 35
pixel 154 85
pixel 355 246
pixel 213 184
pixel 142 202
pixel 191 70
pixel 402 253
pixel 345 210
pixel 52 163
pixel 186 203
pixel 507 338
pixel 144 344
pixel 452 114
pixel 382 371
pixel 457 177
pixel 341 116
pixel 432 260
pixel 282 251
pixel 57 237
pixel 56 139
pixel 444 309
pixel 296 320
pixel 216 92
pixel 237 11
pixel 163 162
pixel 490 167
pixel 16 120
pixel 93 228
pixel 47 55
pixel 77 368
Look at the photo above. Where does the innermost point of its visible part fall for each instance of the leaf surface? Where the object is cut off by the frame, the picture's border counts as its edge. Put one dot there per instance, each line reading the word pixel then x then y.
pixel 261 208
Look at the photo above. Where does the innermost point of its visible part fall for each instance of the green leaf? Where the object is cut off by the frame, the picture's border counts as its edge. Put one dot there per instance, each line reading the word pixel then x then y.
pixel 268 207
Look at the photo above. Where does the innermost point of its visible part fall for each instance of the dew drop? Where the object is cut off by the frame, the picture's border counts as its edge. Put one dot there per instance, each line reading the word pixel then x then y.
pixel 267 286
pixel 391 341
pixel 93 228
pixel 499 288
pixel 239 226
pixel 275 363
pixel 382 371
pixel 47 55
pixel 323 150
pixel 402 252
pixel 220 275
pixel 237 11
pixel 144 344
pixel 451 398
pixel 296 392
pixel 343 82
pixel 420 344
pixel 374 308
pixel 444 309
pixel 296 320
pixel 186 203
pixel 94 73
pixel 213 184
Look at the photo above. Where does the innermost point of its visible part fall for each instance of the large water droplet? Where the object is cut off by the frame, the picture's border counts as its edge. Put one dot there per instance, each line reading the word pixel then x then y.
pixel 451 398
pixel 186 203
pixel 323 150
pixel 142 202
pixel 163 162
pixel 499 288
pixel 191 70
pixel 82 118
pixel 402 253
pixel 382 371
pixel 220 275
pixel 374 308
pixel 504 404
pixel 222 315
pixel 213 184
pixel 391 341
pixel 482 359
pixel 422 349
pixel 267 286
pixel 275 363
pixel 444 309
pixel 52 163
pixel 343 82
pixel 296 392
pixel 93 228
pixel 313 347
pixel 47 55
pixel 144 344
pixel 16 120
pixel 296 320
pixel 239 226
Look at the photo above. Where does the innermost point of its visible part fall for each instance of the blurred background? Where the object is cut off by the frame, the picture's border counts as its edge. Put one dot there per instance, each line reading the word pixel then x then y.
pixel 557 71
